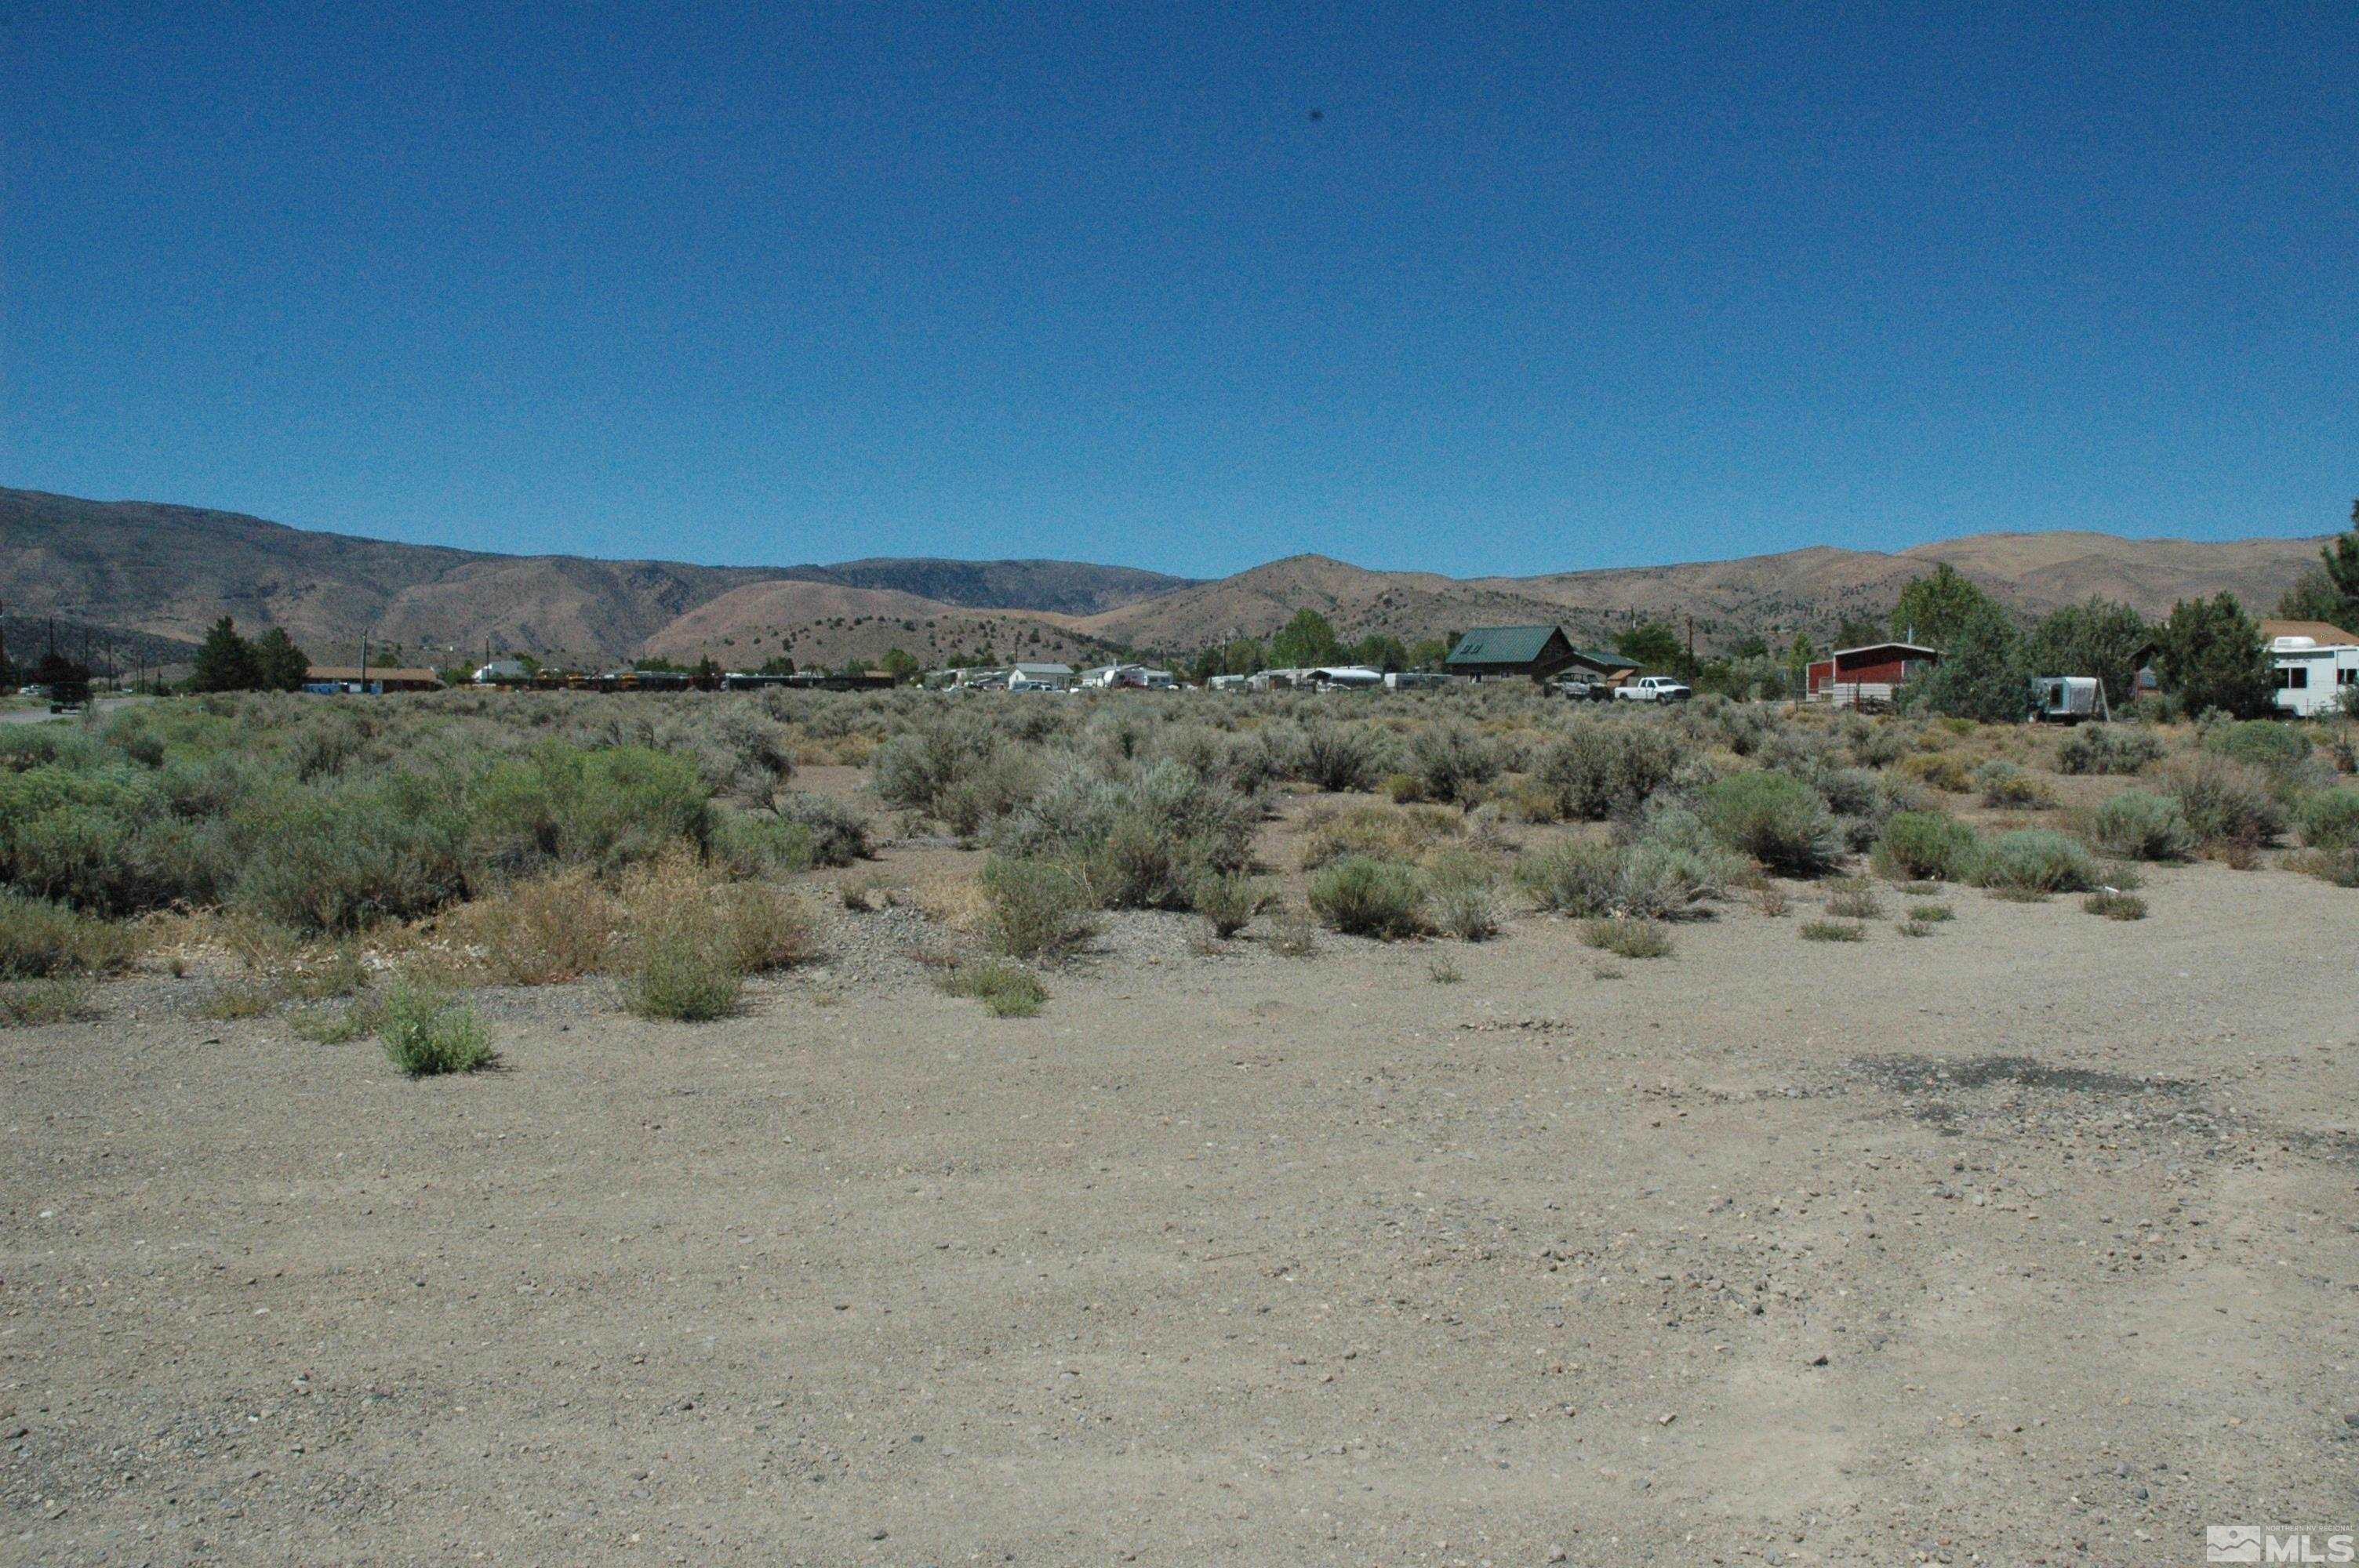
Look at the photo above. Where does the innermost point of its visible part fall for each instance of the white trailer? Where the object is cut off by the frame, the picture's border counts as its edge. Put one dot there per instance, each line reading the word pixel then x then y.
pixel 2068 700
pixel 2314 678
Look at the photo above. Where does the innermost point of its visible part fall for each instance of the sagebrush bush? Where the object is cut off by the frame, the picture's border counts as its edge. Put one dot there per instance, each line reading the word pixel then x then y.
pixel 543 931
pixel 39 939
pixel 2003 782
pixel 1603 766
pixel 1464 897
pixel 2035 860
pixel 835 833
pixel 1571 877
pixel 1854 898
pixel 1450 760
pixel 2225 803
pixel 2258 743
pixel 1338 757
pixel 1780 821
pixel 1362 896
pixel 2107 748
pixel 1924 846
pixel 1228 900
pixel 1036 908
pixel 1385 832
pixel 2138 825
pixel 2115 904
pixel 2329 819
pixel 1832 931
pixel 748 846
pixel 427 1033
pixel 678 971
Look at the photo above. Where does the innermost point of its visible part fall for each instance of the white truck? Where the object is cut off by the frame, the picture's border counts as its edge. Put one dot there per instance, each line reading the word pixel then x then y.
pixel 1652 688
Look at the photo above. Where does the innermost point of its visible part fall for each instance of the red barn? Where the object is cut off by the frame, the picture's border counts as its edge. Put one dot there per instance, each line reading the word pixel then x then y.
pixel 1873 674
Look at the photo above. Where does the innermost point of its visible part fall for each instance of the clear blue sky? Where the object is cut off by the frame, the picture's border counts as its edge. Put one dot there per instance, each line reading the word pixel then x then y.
pixel 1537 287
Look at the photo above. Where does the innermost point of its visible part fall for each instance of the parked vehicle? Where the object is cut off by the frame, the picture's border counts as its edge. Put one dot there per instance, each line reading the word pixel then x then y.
pixel 1585 690
pixel 2068 700
pixel 1652 688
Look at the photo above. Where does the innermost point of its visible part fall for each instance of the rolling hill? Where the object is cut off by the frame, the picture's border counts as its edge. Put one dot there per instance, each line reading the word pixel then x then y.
pixel 169 571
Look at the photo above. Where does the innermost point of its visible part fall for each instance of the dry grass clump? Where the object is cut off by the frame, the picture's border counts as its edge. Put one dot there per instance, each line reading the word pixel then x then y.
pixel 692 939
pixel 2005 783
pixel 1293 934
pixel 1005 989
pixel 40 940
pixel 1228 900
pixel 1854 898
pixel 1387 832
pixel 1627 936
pixel 543 933
pixel 1832 931
pixel 2115 904
pixel 68 999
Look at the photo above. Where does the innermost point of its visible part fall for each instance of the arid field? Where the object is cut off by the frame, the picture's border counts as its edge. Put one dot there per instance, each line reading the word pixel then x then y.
pixel 1727 1135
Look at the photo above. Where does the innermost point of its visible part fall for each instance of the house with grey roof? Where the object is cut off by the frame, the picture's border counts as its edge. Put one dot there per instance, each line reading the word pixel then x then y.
pixel 1494 653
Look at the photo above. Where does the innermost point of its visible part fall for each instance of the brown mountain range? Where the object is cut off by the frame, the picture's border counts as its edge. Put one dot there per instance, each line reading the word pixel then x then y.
pixel 171 570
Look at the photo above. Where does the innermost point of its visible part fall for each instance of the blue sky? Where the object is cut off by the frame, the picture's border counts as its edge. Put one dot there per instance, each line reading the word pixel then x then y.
pixel 1465 288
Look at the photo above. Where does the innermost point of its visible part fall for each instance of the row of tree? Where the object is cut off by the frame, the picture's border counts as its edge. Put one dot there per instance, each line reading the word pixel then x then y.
pixel 227 661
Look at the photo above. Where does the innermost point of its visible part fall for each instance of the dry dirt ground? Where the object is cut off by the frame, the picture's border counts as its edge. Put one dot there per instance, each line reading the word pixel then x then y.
pixel 2031 1241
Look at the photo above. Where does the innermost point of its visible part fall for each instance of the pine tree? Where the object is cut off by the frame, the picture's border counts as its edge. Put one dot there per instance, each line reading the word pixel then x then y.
pixel 224 660
pixel 2211 656
pixel 278 663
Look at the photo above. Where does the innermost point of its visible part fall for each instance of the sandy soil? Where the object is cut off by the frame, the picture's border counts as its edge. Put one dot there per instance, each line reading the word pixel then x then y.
pixel 2028 1241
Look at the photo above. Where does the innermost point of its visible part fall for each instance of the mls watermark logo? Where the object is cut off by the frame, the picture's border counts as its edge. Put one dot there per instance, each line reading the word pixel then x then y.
pixel 2252 1543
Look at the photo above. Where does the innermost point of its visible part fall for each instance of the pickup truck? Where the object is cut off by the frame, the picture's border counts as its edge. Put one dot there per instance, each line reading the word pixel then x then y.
pixel 1580 690
pixel 1652 688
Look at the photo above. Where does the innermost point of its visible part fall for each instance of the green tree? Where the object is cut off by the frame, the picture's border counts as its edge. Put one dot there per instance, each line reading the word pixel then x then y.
pixel 1306 639
pixel 278 663
pixel 2091 639
pixel 1981 674
pixel 224 660
pixel 777 665
pixel 1244 657
pixel 856 667
pixel 900 665
pixel 2329 591
pixel 1935 609
pixel 1653 647
pixel 1429 654
pixel 2210 655
pixel 1800 653
pixel 1380 651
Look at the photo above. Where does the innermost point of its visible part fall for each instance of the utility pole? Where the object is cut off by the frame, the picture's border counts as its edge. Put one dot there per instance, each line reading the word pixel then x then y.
pixel 363 682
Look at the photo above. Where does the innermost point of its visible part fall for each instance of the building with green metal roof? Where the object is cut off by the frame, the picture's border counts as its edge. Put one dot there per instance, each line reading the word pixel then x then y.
pixel 1490 652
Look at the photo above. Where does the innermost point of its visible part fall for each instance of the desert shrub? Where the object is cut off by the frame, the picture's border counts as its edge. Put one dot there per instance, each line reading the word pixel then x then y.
pixel 2328 821
pixel 1924 846
pixel 65 998
pixel 761 928
pixel 2115 904
pixel 1626 936
pixel 1036 908
pixel 1227 901
pixel 1464 897
pixel 1571 877
pixel 2340 867
pixel 427 1033
pixel 1005 989
pixel 838 836
pixel 1913 927
pixel 2035 860
pixel 1448 760
pixel 748 846
pixel 1778 820
pixel 543 931
pixel 1941 770
pixel 1662 877
pixel 2138 825
pixel 1832 931
pixel 609 807
pixel 2256 743
pixel 2226 802
pixel 1293 934
pixel 1362 896
pixel 1376 830
pixel 1879 745
pixel 1141 833
pixel 1338 757
pixel 39 939
pixel 1932 914
pixel 2003 782
pixel 235 999
pixel 1854 898
pixel 2107 748
pixel 1603 766
pixel 678 971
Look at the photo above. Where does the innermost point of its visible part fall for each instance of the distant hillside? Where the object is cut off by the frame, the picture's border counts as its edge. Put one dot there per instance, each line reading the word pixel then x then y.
pixel 170 571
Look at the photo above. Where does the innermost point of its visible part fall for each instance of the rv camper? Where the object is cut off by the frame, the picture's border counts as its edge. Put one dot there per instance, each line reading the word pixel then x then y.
pixel 2068 700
